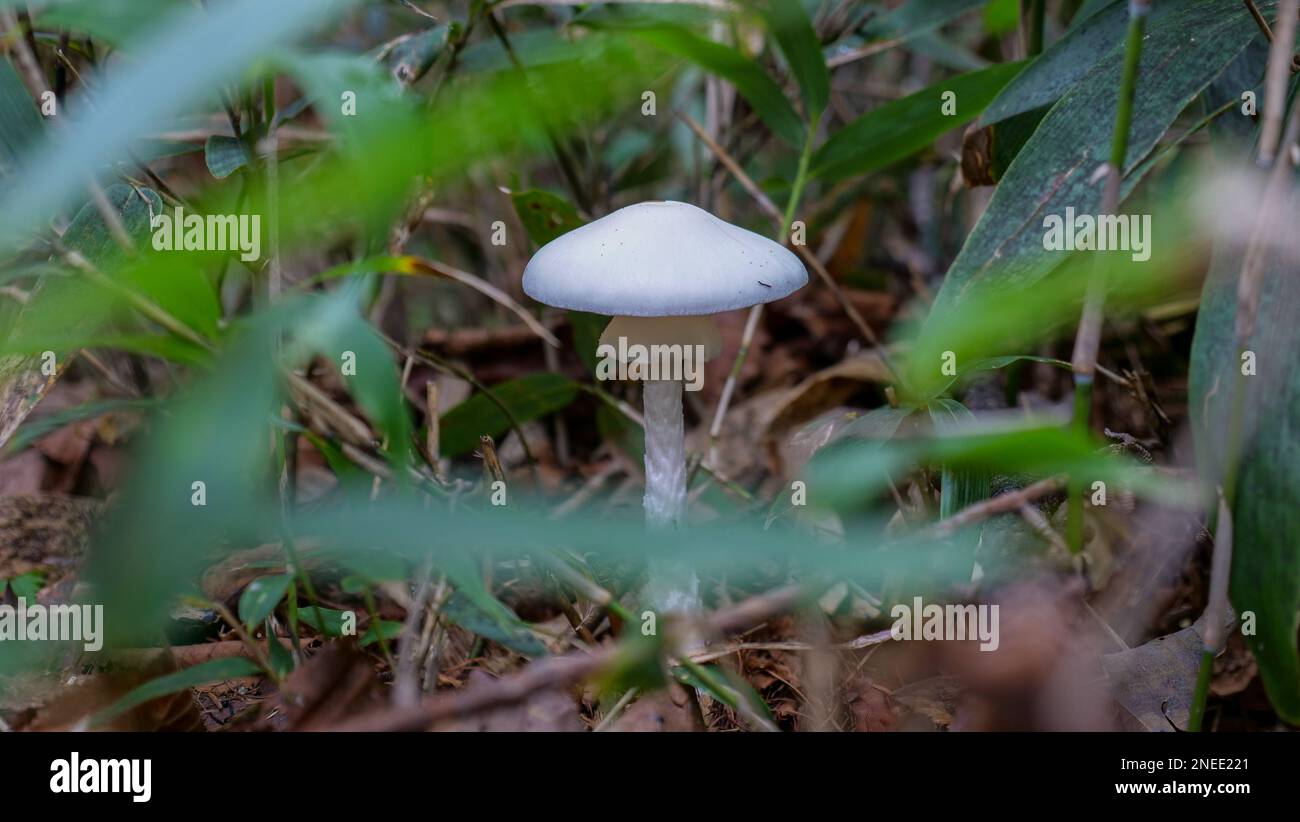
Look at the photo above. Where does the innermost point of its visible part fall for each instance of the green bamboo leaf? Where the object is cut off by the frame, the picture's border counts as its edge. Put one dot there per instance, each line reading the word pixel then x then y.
pixel 1266 510
pixel 1066 62
pixel 35 429
pixel 723 685
pixel 344 337
pixel 20 123
pixel 1088 9
pixel 794 33
pixel 90 236
pixel 329 76
pixel 917 17
pixel 385 628
pixel 747 76
pixel 279 657
pixel 959 487
pixel 903 127
pixel 414 54
pixel 179 283
pixel 24 586
pixel 545 215
pixel 215 670
pixel 528 398
pixel 114 21
pixel 1005 251
pixel 328 621
pixel 153 345
pixel 231 404
pixel 261 596
pixel 965 372
pixel 179 63
pixel 224 155
pixel 877 424
pixel 848 472
pixel 492 620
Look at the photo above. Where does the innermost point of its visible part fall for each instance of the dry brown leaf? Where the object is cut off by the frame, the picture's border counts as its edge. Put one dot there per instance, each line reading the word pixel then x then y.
pixel 1155 681
pixel 870 708
pixel 336 683
pixel 22 387
pixel 672 709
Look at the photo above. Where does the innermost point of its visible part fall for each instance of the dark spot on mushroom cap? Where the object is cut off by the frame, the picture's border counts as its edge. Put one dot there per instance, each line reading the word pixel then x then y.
pixel 765 285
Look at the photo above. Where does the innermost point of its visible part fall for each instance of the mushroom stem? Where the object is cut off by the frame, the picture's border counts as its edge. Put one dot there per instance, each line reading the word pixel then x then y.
pixel 674 587
pixel 665 453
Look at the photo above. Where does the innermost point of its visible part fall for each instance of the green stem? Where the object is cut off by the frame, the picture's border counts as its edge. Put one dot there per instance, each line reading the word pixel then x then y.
pixel 1036 14
pixel 800 181
pixel 372 608
pixel 1197 712
pixel 1088 340
pixel 1128 85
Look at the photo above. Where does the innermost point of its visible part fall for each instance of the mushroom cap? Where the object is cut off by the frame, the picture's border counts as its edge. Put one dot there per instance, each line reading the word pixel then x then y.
pixel 661 259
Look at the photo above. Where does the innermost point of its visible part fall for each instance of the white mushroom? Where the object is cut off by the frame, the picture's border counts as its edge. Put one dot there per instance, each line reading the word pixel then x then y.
pixel 659 269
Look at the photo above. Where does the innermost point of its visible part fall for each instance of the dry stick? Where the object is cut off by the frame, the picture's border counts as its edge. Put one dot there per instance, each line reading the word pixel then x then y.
pixel 1279 64
pixel 491 292
pixel 1036 521
pixel 433 437
pixel 431 640
pixel 1001 504
pixel 184 656
pixel 1248 294
pixel 1088 340
pixel 433 360
pixel 756 312
pixel 27 62
pixel 1216 612
pixel 555 672
pixel 1105 626
pixel 865 641
pixel 588 490
pixel 779 219
pixel 415 630
pixel 615 711
pixel 1268 32
pixel 862 51
pixel 253 650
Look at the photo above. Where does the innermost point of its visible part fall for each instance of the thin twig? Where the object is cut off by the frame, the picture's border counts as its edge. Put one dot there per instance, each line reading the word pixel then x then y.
pixel 769 208
pixel 617 709
pixel 1268 32
pixel 556 672
pixel 1002 504
pixel 1275 87
pixel 492 292
pixel 862 51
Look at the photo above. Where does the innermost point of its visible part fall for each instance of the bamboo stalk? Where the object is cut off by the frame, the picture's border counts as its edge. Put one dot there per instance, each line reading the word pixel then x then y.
pixel 1087 342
